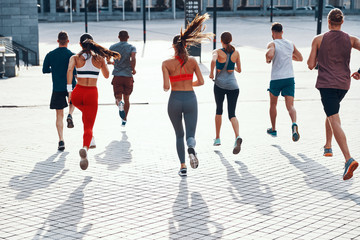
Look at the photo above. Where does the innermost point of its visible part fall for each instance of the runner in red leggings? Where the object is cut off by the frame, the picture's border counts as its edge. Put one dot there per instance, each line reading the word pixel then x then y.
pixel 88 64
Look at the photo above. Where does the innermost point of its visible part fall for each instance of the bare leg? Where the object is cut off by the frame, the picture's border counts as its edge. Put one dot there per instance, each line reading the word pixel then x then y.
pixel 126 105
pixel 235 125
pixel 329 133
pixel 71 109
pixel 339 135
pixel 118 99
pixel 59 123
pixel 289 102
pixel 272 111
pixel 218 120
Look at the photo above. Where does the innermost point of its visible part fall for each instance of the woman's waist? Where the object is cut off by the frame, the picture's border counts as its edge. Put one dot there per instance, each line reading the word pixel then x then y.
pixel 86 82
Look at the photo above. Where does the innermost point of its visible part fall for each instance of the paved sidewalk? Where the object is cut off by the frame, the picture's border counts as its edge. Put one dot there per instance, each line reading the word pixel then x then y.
pixel 273 189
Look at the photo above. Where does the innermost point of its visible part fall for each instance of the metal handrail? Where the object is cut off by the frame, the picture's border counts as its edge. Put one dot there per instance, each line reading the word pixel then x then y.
pixel 14 47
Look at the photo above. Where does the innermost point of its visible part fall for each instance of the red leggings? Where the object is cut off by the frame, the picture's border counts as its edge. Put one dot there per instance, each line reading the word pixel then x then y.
pixel 86 100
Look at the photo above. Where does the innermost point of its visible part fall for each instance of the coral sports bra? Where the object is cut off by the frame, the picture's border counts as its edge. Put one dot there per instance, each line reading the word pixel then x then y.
pixel 181 77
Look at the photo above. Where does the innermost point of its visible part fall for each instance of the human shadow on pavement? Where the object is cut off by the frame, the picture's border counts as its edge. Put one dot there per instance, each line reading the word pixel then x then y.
pixel 62 222
pixel 116 153
pixel 320 178
pixel 248 187
pixel 43 175
pixel 194 216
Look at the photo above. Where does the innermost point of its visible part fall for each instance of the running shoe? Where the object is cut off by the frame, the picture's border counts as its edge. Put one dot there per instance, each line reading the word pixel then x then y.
pixel 70 123
pixel 123 122
pixel 194 162
pixel 271 132
pixel 92 143
pixel 217 142
pixel 121 110
pixel 295 132
pixel 84 163
pixel 350 167
pixel 183 172
pixel 61 146
pixel 328 152
pixel 237 145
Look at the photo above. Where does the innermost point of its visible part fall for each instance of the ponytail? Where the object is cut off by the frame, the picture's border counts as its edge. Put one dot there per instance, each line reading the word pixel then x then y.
pixel 229 48
pixel 193 35
pixel 89 46
pixel 226 38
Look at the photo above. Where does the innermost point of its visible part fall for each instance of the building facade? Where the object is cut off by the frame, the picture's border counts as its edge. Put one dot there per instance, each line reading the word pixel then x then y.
pixel 19 21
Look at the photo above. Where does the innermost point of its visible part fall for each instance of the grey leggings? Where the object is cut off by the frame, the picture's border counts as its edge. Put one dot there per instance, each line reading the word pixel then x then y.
pixel 183 103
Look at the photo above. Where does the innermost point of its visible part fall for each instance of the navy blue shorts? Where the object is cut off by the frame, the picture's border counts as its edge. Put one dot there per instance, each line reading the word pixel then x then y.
pixel 58 100
pixel 331 98
pixel 286 86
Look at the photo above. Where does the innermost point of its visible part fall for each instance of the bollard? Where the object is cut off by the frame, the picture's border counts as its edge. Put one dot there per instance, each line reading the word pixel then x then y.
pixel 2 61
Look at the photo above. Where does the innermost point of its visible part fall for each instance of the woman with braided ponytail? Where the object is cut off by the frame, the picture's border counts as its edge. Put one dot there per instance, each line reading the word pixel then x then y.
pixel 178 73
pixel 88 64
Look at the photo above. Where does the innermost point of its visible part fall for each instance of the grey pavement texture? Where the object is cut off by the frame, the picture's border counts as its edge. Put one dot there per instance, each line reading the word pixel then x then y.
pixel 273 189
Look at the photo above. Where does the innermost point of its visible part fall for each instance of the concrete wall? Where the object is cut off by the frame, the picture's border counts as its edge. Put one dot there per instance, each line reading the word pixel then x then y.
pixel 19 20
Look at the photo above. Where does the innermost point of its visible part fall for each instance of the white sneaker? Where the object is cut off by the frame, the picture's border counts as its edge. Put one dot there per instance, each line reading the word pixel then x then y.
pixel 92 143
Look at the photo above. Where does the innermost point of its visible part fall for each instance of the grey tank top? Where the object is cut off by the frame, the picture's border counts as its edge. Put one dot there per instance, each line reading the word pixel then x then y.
pixel 224 79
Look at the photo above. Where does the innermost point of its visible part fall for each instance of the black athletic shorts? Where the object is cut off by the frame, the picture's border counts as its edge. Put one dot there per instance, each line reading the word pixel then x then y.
pixel 58 100
pixel 331 98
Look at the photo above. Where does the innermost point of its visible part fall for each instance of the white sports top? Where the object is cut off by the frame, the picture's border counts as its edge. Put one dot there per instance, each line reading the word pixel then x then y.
pixel 282 62
pixel 88 70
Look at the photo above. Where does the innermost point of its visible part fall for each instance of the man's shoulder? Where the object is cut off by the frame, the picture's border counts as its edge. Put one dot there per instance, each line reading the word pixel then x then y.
pixel 114 45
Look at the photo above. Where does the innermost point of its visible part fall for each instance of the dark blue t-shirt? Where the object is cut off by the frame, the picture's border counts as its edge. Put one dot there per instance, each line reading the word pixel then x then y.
pixel 56 62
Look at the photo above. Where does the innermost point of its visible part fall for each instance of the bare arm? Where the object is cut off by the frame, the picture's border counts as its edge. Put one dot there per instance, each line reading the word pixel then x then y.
pixel 133 62
pixel 200 79
pixel 213 63
pixel 166 77
pixel 70 71
pixel 270 52
pixel 312 61
pixel 70 74
pixel 238 64
pixel 356 75
pixel 104 68
pixel 297 55
pixel 355 42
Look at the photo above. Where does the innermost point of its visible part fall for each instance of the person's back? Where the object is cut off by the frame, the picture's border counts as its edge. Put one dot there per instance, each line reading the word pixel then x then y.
pixel 225 77
pixel 331 52
pixel 123 66
pixel 57 63
pixel 181 76
pixel 333 61
pixel 282 62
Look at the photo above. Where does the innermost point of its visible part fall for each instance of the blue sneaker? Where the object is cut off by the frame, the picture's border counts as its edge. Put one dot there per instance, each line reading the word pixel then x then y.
pixel 350 167
pixel 328 152
pixel 237 145
pixel 123 122
pixel 217 142
pixel 271 132
pixel 295 132
pixel 121 110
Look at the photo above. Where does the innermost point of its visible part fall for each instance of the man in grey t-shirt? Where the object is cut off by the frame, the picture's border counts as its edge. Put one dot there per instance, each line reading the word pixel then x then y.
pixel 123 72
